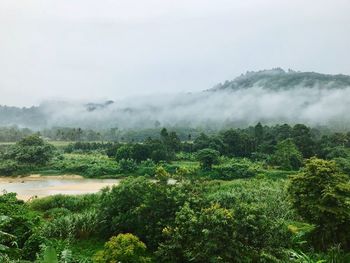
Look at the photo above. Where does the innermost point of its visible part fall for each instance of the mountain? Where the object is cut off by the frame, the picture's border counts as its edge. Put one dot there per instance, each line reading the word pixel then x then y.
pixel 269 96
pixel 277 79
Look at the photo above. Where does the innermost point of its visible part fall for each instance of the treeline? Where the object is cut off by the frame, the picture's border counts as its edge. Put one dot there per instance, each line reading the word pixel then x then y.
pixel 281 145
pixel 14 133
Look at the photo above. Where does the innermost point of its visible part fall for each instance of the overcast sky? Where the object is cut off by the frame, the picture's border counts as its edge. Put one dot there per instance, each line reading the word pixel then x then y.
pixel 110 49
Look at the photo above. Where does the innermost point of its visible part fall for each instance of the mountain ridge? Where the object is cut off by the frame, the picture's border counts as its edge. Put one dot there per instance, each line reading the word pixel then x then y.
pixel 271 96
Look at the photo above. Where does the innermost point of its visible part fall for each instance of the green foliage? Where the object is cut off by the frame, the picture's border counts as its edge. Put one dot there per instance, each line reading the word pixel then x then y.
pixel 234 169
pixel 127 165
pixel 126 208
pixel 287 155
pixel 8 167
pixel 90 165
pixel 31 150
pixel 17 225
pixel 207 157
pixel 125 248
pixel 49 256
pixel 261 210
pixel 244 216
pixel 147 167
pixel 72 203
pixel 302 137
pixel 343 164
pixel 238 143
pixel 321 195
pixel 207 235
pixel 74 225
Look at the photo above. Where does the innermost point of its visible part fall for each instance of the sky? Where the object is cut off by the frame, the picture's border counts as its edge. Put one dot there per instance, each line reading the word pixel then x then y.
pixel 112 49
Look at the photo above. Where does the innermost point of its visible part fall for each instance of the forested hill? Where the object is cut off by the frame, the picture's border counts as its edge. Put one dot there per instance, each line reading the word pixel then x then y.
pixel 268 96
pixel 277 79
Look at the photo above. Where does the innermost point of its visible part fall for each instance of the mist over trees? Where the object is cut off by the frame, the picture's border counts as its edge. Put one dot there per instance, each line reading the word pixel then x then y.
pixel 270 96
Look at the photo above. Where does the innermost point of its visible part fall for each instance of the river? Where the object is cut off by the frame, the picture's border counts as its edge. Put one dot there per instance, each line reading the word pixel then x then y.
pixel 41 186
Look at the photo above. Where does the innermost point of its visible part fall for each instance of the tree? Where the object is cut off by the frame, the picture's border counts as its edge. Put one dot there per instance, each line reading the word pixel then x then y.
pixel 123 152
pixel 140 152
pixel 213 142
pixel 238 143
pixel 141 207
pixel 287 155
pixel 259 133
pixel 173 142
pixel 303 140
pixel 31 150
pixel 207 157
pixel 125 248
pixel 321 195
pixel 207 235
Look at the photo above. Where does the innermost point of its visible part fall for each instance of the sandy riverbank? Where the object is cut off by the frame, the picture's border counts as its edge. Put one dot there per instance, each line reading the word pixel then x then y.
pixel 41 186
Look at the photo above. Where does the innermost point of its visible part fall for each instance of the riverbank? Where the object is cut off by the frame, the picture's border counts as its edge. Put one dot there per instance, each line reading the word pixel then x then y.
pixel 36 185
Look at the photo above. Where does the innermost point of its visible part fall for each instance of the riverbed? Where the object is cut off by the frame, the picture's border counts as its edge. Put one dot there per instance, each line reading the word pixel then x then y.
pixel 41 186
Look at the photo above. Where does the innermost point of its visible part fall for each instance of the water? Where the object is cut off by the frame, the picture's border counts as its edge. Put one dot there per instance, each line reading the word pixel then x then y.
pixel 40 186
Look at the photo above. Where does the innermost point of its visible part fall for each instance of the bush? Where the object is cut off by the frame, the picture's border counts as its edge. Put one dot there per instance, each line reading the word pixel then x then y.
pixel 72 203
pixel 125 248
pixel 19 225
pixel 127 165
pixel 207 235
pixel 231 169
pixel 287 155
pixel 90 165
pixel 141 207
pixel 207 157
pixel 31 150
pixel 147 167
pixel 8 167
pixel 321 195
pixel 73 225
pixel 234 170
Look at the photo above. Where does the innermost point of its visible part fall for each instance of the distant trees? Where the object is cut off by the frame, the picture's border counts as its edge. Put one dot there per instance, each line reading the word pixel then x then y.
pixel 321 195
pixel 157 150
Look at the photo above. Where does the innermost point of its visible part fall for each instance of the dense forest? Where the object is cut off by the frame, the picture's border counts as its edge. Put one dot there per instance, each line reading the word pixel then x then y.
pixel 260 194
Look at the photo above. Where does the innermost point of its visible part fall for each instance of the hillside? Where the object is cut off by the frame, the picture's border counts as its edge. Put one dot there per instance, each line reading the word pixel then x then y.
pixel 268 96
pixel 277 79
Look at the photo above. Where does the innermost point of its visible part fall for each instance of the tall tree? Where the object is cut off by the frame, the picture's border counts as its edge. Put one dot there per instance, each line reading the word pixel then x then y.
pixel 321 195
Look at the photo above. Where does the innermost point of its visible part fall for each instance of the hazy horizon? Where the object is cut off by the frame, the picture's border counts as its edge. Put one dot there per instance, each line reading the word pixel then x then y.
pixel 88 50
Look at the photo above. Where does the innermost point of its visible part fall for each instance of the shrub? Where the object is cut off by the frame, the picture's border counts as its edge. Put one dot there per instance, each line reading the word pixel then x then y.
pixel 74 225
pixel 321 195
pixel 207 235
pixel 72 203
pixel 8 167
pixel 287 155
pixel 31 150
pixel 234 169
pixel 127 165
pixel 90 165
pixel 207 157
pixel 125 248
